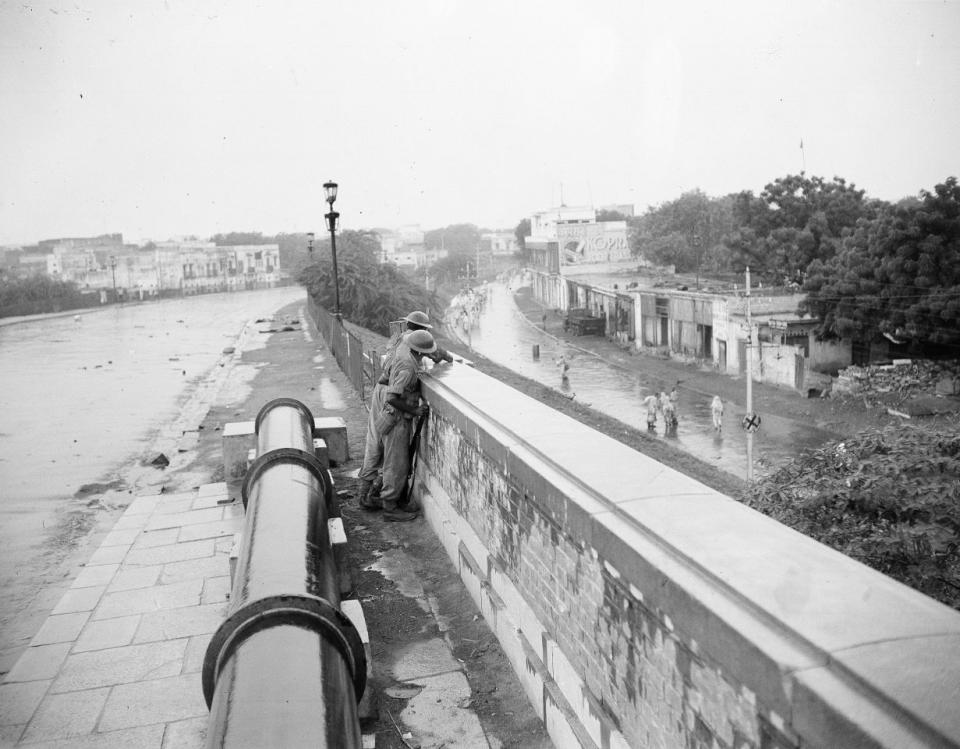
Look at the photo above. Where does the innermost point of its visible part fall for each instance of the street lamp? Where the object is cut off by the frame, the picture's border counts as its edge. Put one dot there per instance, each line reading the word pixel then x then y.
pixel 113 267
pixel 330 188
pixel 310 244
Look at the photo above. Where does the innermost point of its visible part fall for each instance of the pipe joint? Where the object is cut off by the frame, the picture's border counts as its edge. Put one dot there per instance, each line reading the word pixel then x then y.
pixel 304 611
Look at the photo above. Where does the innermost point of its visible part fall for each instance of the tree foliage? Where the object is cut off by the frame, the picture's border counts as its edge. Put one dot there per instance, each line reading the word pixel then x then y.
pixel 521 232
pixel 234 238
pixel 794 221
pixel 40 293
pixel 605 214
pixel 457 239
pixel 687 232
pixel 898 273
pixel 889 499
pixel 371 294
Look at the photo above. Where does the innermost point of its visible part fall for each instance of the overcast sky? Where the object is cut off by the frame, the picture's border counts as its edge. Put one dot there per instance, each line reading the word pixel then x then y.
pixel 158 119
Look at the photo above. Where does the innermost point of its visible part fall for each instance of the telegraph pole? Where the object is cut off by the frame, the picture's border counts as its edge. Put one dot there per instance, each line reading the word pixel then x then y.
pixel 749 382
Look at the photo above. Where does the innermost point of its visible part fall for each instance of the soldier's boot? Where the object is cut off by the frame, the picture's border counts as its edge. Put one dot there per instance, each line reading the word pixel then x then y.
pixel 365 497
pixel 396 514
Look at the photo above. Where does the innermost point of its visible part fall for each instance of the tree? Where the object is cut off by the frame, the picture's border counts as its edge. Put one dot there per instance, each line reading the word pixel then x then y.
pixel 605 214
pixel 241 237
pixel 457 239
pixel 682 232
pixel 795 220
pixel 521 232
pixel 897 273
pixel 371 294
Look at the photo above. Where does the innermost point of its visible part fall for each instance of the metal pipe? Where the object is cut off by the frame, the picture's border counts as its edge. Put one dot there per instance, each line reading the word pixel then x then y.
pixel 287 667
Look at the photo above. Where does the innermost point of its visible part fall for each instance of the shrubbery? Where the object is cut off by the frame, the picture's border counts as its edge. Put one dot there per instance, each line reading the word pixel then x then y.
pixel 888 498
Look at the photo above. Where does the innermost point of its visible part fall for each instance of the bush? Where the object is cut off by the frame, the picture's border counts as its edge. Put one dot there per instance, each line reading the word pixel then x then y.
pixel 889 498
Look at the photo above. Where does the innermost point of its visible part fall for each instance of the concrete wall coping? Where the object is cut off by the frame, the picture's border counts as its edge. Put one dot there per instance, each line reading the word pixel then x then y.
pixel 812 630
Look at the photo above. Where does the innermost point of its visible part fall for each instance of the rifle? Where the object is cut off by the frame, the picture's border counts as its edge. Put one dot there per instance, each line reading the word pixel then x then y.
pixel 411 471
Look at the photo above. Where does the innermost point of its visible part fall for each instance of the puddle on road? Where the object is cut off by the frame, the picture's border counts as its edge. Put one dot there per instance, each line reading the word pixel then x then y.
pixel 397 566
pixel 440 714
pixel 330 395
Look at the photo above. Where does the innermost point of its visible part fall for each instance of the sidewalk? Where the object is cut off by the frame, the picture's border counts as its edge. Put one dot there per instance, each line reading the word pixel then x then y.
pixel 117 663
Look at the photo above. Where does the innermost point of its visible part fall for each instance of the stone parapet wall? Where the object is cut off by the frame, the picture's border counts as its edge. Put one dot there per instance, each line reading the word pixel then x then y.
pixel 641 608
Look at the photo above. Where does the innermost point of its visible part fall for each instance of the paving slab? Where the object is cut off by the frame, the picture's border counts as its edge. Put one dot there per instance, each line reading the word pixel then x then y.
pixel 144 600
pixel 213 566
pixel 144 737
pixel 76 600
pixel 157 701
pixel 136 577
pixel 39 663
pixel 62 716
pixel 92 576
pixel 109 633
pixel 18 702
pixel 101 668
pixel 171 553
pixel 60 628
pixel 175 623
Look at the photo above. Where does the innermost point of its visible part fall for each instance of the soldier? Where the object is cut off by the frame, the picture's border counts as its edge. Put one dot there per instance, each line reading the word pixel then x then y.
pixel 416 320
pixel 393 407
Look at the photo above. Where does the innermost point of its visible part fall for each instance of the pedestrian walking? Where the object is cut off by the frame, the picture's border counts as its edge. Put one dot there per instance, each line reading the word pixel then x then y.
pixel 652 404
pixel 716 410
pixel 669 412
pixel 390 424
pixel 563 366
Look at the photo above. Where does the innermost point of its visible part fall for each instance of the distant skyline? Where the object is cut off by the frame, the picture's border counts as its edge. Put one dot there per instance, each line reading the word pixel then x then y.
pixel 164 118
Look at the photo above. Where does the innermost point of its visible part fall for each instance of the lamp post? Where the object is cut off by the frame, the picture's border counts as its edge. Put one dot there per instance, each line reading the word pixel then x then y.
pixel 330 188
pixel 113 268
pixel 310 245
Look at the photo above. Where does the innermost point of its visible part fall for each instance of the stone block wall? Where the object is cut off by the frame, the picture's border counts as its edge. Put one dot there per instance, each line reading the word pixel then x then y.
pixel 642 609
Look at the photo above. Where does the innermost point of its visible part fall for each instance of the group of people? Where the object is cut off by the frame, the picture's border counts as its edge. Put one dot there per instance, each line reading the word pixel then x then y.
pixel 394 405
pixel 466 307
pixel 666 406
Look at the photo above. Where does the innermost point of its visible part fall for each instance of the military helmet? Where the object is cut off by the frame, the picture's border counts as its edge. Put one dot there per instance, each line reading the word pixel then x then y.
pixel 421 341
pixel 419 319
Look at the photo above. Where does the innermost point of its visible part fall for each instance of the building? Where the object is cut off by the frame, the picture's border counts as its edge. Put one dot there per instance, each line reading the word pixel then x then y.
pixel 582 239
pixel 405 248
pixel 181 266
pixel 499 243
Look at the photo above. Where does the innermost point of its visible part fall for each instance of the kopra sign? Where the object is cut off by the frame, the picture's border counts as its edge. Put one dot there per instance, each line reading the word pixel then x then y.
pixel 602 242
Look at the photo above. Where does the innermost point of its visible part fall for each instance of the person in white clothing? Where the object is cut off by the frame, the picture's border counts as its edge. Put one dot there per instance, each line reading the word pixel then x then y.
pixel 716 410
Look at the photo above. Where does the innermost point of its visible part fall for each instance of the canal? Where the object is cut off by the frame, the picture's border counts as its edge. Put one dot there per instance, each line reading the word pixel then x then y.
pixel 84 398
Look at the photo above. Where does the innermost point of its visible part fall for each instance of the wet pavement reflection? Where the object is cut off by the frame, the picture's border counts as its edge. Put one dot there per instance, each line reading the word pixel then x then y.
pixel 500 332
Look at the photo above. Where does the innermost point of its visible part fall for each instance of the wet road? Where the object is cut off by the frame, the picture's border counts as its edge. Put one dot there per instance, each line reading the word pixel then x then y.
pixel 501 333
pixel 83 399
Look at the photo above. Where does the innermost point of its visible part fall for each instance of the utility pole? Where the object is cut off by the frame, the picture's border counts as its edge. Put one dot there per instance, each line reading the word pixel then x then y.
pixel 749 382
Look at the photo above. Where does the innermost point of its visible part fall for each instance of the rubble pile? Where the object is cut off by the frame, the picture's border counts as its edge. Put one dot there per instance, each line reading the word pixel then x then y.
pixel 901 380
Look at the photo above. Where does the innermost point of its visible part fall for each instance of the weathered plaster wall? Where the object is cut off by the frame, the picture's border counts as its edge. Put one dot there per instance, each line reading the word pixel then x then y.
pixel 642 609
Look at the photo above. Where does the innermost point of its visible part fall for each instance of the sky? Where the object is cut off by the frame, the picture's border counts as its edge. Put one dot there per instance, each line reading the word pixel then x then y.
pixel 168 118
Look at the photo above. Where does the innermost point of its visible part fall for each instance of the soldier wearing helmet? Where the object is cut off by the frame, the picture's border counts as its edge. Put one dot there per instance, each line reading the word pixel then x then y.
pixel 416 320
pixel 393 406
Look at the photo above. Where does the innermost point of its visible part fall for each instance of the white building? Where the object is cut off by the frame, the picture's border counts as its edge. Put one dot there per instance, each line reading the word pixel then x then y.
pixel 582 239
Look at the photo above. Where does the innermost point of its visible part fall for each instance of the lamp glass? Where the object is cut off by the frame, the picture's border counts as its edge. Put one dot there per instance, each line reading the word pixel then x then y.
pixel 333 220
pixel 330 188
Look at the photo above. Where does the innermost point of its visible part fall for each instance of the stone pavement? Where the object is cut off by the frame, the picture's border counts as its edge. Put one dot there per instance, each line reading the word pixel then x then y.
pixel 117 662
